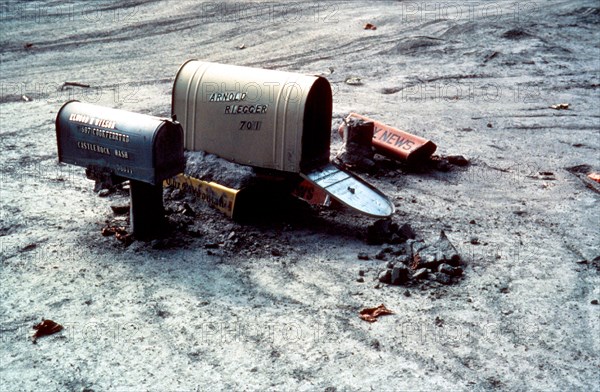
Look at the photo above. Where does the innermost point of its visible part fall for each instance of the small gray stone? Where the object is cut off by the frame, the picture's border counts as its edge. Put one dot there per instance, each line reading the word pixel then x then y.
pixel 404 259
pixel 360 280
pixel 104 193
pixel 442 278
pixel 361 272
pixel 407 293
pixel 177 194
pixel 120 207
pixel 449 270
pixel 276 252
pixel 363 256
pixel 429 261
pixel 407 232
pixel 594 302
pixel 375 344
pixel 439 252
pixel 385 276
pixel 400 274
pixel 188 210
pixel 420 273
pixel 386 265
pixel 383 253
pixel 458 160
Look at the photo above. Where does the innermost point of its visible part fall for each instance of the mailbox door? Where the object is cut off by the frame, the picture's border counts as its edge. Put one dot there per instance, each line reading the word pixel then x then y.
pixel 169 159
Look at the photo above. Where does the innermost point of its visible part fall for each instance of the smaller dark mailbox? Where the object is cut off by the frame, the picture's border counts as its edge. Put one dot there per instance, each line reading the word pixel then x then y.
pixel 143 149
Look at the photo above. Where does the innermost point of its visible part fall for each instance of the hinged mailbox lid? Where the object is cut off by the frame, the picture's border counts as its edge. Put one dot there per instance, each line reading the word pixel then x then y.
pixel 350 191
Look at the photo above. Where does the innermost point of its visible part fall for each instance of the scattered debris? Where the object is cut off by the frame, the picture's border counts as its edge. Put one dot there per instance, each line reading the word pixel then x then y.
pixel 407 232
pixel 587 175
pixel 45 328
pixel 371 314
pixel 357 150
pixel 276 253
pixel 439 322
pixel 25 98
pixel 242 47
pixel 384 231
pixel 504 288
pixel 29 247
pixel 400 274
pixel 442 251
pixel 375 344
pixel 420 273
pixel 74 84
pixel 120 207
pixel 385 276
pixel 490 57
pixel 105 192
pixel 363 256
pixel 325 74
pixel 119 232
pixel 560 106
pixel 450 270
pixel 458 160
pixel 414 260
pixel 370 26
pixel 442 278
pixel 594 177
pixel 516 34
pixel 354 81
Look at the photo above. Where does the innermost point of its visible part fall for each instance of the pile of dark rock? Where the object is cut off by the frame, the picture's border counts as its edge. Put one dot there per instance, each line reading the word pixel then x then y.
pixel 408 260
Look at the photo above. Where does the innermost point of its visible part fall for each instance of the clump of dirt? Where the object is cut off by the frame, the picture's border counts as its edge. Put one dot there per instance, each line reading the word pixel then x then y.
pixel 410 261
pixel 209 167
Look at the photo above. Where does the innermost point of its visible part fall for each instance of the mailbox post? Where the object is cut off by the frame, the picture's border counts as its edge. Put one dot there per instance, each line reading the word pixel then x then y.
pixel 129 146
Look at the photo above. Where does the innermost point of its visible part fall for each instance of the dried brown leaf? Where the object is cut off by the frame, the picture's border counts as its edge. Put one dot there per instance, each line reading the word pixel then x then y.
pixel 45 328
pixel 370 314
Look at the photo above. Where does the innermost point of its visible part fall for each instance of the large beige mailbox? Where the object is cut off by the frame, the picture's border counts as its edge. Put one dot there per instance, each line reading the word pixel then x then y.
pixel 267 119
pixel 271 119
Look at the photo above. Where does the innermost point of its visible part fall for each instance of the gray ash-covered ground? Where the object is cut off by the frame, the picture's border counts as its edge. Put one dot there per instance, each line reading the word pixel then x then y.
pixel 278 309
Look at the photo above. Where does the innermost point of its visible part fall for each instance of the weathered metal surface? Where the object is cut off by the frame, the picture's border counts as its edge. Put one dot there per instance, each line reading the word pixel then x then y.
pixel 130 145
pixel 351 191
pixel 257 117
pixel 216 195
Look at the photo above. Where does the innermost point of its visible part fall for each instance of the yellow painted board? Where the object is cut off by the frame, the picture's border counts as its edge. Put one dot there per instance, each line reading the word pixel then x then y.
pixel 216 195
